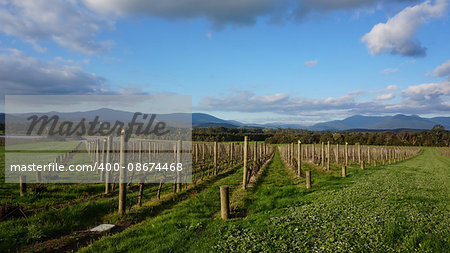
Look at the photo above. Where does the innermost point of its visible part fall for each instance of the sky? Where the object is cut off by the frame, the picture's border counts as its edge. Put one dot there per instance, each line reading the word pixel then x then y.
pixel 255 61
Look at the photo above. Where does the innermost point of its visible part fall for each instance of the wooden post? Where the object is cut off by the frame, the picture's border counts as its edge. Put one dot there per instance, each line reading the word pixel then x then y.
pixel 231 152
pixel 141 193
pixel 108 160
pixel 102 173
pixel 23 185
pixel 322 156
pixel 255 153
pixel 362 165
pixel 38 176
pixel 224 202
pixel 97 152
pixel 179 161
pixel 346 153
pixel 195 146
pixel 215 158
pixel 308 179
pixel 344 171
pixel 299 159
pixel 313 151
pixel 328 155
pixel 337 154
pixel 203 151
pixel 244 180
pixel 288 155
pixel 122 174
pixel 292 156
pixel 359 153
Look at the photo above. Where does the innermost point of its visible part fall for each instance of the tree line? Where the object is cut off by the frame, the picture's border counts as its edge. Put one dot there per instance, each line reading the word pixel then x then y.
pixel 437 136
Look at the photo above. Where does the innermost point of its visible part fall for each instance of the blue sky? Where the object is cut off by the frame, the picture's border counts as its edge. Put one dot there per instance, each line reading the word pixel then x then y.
pixel 298 61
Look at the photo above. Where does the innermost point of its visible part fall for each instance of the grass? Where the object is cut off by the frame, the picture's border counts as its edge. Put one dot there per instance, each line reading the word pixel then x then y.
pixel 49 223
pixel 402 207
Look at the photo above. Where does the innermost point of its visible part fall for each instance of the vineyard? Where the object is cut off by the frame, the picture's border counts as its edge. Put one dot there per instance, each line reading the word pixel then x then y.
pixel 241 196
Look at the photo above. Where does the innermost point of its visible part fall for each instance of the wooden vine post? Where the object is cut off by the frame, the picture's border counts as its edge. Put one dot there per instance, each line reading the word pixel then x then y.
pixel 23 185
pixel 346 153
pixel 224 202
pixel 141 178
pixel 328 155
pixel 108 160
pixel 178 174
pixel 244 180
pixel 322 163
pixel 102 173
pixel 255 153
pixel 337 154
pixel 299 159
pixel 308 179
pixel 231 152
pixel 215 158
pixel 359 153
pixel 122 174
pixel 344 171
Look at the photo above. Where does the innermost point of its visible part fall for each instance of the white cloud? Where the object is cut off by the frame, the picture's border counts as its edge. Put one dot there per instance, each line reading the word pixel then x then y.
pixel 229 12
pixel 428 91
pixel 387 96
pixel 311 63
pixel 23 74
pixel 442 70
pixel 208 35
pixel 68 23
pixel 419 99
pixel 396 36
pixel 389 71
pixel 393 87
pixel 75 24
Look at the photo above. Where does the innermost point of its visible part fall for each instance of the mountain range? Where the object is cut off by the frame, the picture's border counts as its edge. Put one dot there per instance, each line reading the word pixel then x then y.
pixel 398 121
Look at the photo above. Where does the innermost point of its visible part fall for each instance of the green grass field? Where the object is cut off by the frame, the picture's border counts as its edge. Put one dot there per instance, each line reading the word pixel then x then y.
pixel 402 207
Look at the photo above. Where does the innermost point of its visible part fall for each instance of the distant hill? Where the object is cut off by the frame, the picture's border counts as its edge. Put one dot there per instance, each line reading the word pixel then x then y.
pixel 207 120
pixel 356 122
pixel 398 121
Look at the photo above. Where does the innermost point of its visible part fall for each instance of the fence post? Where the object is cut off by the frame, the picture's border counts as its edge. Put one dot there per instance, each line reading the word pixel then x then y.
pixel 107 161
pixel 322 162
pixel 38 176
pixel 346 153
pixel 224 202
pixel 337 154
pixel 122 174
pixel 245 162
pixel 308 179
pixel 328 155
pixel 23 185
pixel 179 148
pixel 299 159
pixel 102 173
pixel 359 153
pixel 215 158
pixel 344 171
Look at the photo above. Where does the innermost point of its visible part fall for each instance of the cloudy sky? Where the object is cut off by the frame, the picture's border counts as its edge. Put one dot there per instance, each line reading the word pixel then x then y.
pixel 299 61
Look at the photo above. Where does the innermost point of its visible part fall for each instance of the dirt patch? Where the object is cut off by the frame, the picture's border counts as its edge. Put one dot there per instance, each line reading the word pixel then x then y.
pixel 74 241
